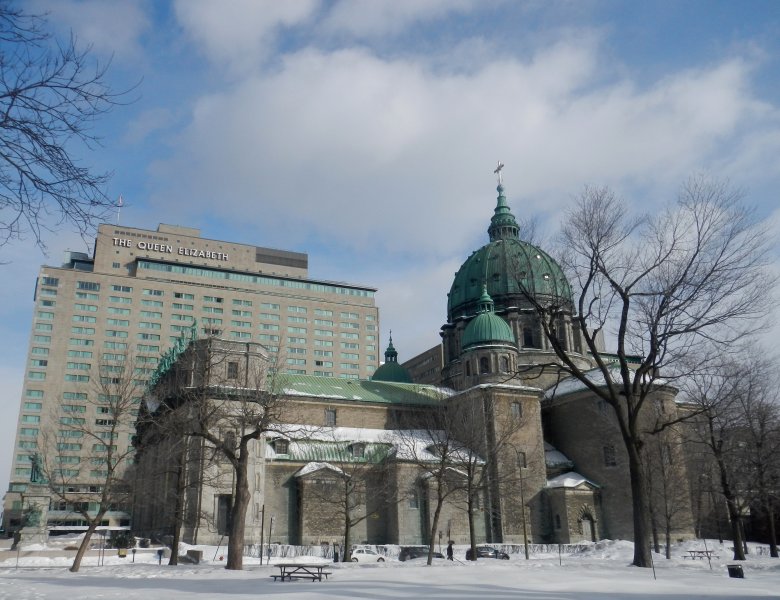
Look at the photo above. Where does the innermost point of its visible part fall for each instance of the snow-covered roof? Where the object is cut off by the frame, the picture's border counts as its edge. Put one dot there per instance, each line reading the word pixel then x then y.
pixel 571 385
pixel 569 480
pixel 313 467
pixel 555 458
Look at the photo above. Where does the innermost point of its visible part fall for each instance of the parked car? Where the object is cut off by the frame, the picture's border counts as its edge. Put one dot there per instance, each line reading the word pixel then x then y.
pixel 487 552
pixel 366 555
pixel 410 552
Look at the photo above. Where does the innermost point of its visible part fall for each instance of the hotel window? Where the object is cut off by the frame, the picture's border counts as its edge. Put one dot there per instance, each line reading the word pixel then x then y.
pixel 266 337
pixel 350 356
pixel 352 366
pixel 50 281
pixel 215 310
pixel 48 303
pixel 350 325
pixel 85 307
pixel 350 336
pixel 180 306
pixel 153 314
pixel 148 325
pixel 326 343
pixel 184 296
pixel 33 406
pixel 118 322
pixel 45 314
pixel 296 330
pixel 235 323
pixel 48 292
pixel 323 363
pixel 270 317
pixel 293 319
pixel 83 330
pixel 148 292
pixel 269 327
pixel 119 334
pixel 296 340
pixel 120 300
pixel 269 306
pixel 123 346
pixel 215 299
pixel 241 313
pixel 370 318
pixel 330 417
pixel 113 310
pixel 323 373
pixel 350 315
pixel 84 319
pixel 239 302
pixel 323 332
pixel 320 312
pixel 350 346
pixel 88 285
pixel 37 376
pixel 296 350
pixel 41 351
pixel 324 322
pixel 125 289
pixel 152 303
pixel 323 353
pixel 298 309
pixel 42 339
pixel 79 354
pixel 240 335
pixel 296 361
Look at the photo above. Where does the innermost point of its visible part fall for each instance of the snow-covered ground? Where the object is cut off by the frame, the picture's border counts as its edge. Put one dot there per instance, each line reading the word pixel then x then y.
pixel 600 573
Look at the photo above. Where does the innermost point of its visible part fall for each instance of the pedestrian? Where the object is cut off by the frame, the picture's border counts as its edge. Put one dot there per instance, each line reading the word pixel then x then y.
pixel 449 550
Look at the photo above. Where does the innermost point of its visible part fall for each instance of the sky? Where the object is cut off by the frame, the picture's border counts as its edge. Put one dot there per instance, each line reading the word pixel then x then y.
pixel 366 133
pixel 601 572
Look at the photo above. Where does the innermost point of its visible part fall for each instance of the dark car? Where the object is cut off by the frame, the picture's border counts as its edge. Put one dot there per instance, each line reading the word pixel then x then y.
pixel 410 552
pixel 487 552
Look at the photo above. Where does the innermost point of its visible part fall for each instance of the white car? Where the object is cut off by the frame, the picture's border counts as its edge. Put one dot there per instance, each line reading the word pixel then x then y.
pixel 366 555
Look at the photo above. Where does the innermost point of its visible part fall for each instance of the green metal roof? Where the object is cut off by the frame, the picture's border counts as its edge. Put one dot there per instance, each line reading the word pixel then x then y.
pixel 381 392
pixel 508 266
pixel 335 452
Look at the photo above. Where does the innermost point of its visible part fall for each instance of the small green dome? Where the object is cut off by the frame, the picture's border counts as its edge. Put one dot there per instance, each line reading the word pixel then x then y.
pixel 391 371
pixel 509 266
pixel 487 327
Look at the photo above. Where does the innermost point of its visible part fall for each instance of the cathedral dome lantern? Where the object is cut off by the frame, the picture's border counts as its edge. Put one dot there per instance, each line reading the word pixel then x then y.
pixel 391 371
pixel 510 267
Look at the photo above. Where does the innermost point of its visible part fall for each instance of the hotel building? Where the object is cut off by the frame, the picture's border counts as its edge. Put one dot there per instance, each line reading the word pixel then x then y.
pixel 138 293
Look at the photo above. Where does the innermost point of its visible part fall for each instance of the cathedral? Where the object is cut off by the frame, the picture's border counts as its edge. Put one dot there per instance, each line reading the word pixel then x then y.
pixel 540 458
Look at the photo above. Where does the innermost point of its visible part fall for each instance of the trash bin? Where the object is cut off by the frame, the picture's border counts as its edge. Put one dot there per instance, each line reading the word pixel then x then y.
pixel 735 571
pixel 122 552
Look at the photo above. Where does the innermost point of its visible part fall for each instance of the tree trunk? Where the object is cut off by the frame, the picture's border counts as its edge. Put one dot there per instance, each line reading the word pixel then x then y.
pixel 84 546
pixel 642 556
pixel 668 540
pixel 347 553
pixel 238 516
pixel 731 504
pixel 770 516
pixel 178 511
pixel 434 529
pixel 472 529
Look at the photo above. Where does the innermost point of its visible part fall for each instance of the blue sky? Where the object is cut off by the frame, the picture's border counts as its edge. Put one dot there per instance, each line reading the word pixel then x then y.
pixel 365 132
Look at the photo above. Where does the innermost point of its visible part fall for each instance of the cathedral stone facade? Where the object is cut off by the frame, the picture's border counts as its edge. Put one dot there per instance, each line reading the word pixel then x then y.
pixel 550 461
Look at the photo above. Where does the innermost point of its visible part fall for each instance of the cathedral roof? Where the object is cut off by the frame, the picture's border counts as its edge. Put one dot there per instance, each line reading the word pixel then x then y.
pixel 508 266
pixel 358 390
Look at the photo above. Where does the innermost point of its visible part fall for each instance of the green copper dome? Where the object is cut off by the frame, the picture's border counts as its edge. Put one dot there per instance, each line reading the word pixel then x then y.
pixel 391 371
pixel 509 267
pixel 487 327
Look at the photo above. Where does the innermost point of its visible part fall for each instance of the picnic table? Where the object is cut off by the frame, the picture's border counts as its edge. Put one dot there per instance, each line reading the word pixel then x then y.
pixel 312 571
pixel 700 554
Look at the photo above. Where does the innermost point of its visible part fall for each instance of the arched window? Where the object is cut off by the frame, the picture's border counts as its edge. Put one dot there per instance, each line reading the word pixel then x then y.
pixel 484 365
pixel 504 364
pixel 528 337
pixel 468 368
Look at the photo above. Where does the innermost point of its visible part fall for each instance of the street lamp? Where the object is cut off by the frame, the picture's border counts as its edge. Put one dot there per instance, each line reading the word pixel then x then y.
pixel 522 465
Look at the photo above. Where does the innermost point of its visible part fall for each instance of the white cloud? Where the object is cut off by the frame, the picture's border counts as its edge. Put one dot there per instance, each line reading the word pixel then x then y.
pixel 387 154
pixel 239 34
pixel 112 27
pixel 385 17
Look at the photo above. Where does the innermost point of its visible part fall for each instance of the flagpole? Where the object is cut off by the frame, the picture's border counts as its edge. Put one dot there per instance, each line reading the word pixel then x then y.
pixel 118 208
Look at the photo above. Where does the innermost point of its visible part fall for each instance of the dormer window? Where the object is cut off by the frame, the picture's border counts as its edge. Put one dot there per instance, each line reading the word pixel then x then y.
pixel 358 450
pixel 281 446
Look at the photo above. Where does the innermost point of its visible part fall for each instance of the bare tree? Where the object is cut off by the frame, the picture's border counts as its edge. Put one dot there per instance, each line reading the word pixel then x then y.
pixel 100 421
pixel 51 92
pixel 660 284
